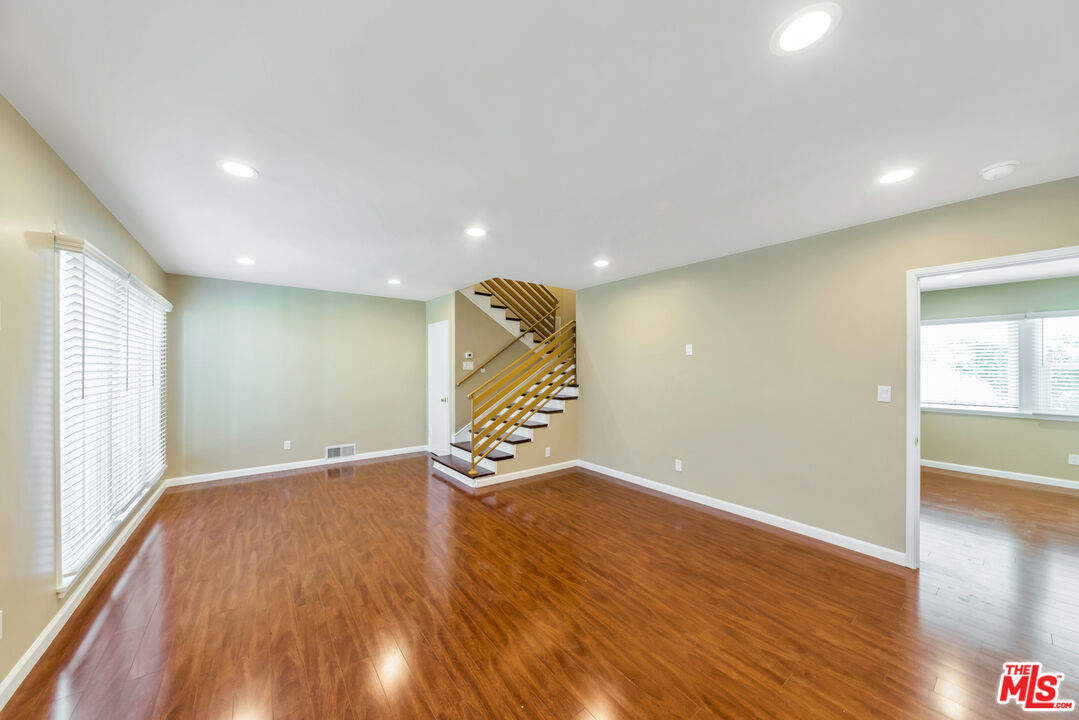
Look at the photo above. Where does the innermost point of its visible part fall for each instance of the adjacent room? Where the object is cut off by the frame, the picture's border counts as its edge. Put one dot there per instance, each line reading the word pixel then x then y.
pixel 413 360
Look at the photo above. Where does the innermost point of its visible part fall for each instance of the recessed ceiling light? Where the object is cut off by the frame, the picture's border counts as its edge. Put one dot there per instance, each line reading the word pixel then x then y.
pixel 953 276
pixel 245 261
pixel 805 27
pixel 238 169
pixel 601 263
pixel 897 176
pixel 999 170
pixel 475 232
pixel 394 281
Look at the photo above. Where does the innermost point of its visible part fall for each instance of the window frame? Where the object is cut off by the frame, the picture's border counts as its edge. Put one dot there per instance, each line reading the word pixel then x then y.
pixel 121 525
pixel 1027 379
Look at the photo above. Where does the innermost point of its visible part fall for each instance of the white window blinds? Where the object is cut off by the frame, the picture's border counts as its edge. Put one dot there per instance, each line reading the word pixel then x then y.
pixel 1027 364
pixel 1056 357
pixel 112 399
pixel 972 364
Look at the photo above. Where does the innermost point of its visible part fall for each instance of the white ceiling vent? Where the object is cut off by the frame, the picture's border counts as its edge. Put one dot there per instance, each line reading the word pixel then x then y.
pixel 340 451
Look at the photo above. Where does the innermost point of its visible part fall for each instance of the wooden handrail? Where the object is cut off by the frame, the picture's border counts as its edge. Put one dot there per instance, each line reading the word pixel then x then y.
pixel 504 348
pixel 528 383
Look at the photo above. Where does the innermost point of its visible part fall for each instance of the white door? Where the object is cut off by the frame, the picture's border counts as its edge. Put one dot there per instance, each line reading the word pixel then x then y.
pixel 438 387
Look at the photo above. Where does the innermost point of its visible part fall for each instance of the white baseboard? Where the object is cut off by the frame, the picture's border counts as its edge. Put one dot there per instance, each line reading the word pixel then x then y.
pixel 73 597
pixel 844 541
pixel 507 477
pixel 282 467
pixel 1005 474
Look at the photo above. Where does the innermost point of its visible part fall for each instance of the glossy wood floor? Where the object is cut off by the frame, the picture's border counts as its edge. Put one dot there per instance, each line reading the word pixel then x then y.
pixel 376 590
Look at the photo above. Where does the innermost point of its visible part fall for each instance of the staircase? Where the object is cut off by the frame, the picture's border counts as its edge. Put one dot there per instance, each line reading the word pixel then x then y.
pixel 516 404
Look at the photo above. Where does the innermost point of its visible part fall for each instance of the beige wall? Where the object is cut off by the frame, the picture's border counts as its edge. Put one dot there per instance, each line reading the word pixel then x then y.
pixel 251 366
pixel 477 332
pixel 1033 447
pixel 39 194
pixel 776 410
pixel 1022 445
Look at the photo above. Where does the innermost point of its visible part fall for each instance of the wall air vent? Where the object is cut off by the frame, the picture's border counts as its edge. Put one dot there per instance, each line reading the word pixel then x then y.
pixel 340 451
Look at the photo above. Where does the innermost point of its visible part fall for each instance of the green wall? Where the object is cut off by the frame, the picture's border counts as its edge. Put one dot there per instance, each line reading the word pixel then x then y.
pixel 1020 445
pixel 251 366
pixel 1004 299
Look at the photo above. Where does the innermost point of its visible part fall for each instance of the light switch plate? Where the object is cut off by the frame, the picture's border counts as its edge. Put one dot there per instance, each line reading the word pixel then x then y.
pixel 467 365
pixel 1073 459
pixel 689 348
pixel 677 465
pixel 548 452
pixel 884 393
pixel 288 445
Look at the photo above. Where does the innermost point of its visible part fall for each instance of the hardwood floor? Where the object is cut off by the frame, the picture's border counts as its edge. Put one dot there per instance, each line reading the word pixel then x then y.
pixel 377 590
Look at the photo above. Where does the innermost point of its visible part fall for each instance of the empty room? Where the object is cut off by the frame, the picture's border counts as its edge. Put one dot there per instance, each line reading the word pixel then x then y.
pixel 539 360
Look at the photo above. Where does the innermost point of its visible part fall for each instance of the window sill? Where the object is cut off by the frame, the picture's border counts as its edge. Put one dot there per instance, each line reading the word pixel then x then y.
pixel 997 413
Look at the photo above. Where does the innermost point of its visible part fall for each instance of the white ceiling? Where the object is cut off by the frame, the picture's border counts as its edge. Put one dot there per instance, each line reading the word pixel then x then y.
pixel 651 133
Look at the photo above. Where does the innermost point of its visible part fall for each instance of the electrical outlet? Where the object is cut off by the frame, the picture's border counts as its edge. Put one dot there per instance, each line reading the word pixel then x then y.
pixel 288 444
pixel 548 452
pixel 884 393
pixel 677 465
pixel 1073 459
pixel 689 348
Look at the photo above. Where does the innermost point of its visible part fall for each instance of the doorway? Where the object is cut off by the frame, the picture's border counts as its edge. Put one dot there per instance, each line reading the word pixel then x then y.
pixel 438 387
pixel 1019 265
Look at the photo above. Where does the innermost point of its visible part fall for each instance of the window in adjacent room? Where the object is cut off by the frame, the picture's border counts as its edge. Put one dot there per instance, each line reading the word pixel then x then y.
pixel 1024 364
pixel 111 389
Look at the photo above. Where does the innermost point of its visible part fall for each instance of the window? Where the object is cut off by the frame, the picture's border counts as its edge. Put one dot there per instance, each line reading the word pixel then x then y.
pixel 111 389
pixel 1024 364
pixel 1056 363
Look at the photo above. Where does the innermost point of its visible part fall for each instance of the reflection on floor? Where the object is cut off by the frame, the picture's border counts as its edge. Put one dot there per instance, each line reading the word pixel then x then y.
pixel 1000 570
pixel 377 590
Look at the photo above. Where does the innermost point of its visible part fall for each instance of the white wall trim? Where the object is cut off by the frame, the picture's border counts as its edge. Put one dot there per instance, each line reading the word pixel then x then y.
pixel 73 597
pixel 281 467
pixel 507 477
pixel 1005 474
pixel 844 541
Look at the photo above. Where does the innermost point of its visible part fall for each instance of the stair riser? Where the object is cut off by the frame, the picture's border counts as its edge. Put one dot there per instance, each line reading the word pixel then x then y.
pixel 537 417
pixel 505 447
pixel 467 457
pixel 453 474
pixel 570 391
pixel 522 431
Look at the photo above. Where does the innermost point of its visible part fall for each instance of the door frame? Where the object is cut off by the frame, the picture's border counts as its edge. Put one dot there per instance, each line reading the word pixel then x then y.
pixel 914 414
pixel 442 445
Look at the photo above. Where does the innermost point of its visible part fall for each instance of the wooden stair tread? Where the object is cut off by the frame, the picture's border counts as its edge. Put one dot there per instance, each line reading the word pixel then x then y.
pixel 495 455
pixel 461 466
